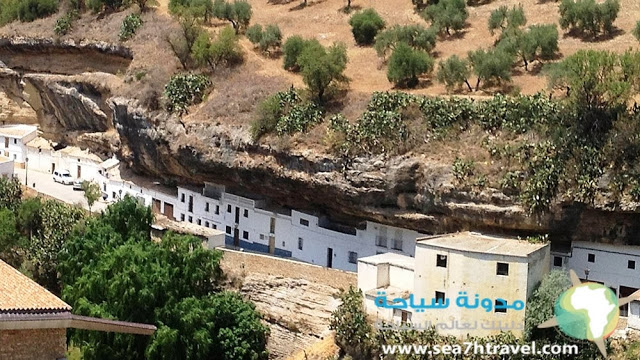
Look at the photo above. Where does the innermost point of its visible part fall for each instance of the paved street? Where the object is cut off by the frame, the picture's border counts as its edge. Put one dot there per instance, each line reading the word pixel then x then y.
pixel 43 183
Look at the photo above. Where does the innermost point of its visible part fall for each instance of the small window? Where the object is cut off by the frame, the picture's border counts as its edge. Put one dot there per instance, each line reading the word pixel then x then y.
pixel 246 213
pixel 229 208
pixel 261 236
pixel 181 217
pixel 228 230
pixel 199 222
pixel 182 197
pixel 206 207
pixel 631 264
pixel 441 261
pixel 300 243
pixel 245 235
pixel 353 257
pixel 439 297
pixel 557 261
pixel 304 222
pixel 214 226
pixel 283 244
pixel 217 210
pixel 499 306
pixel 502 269
pixel 190 219
pixel 591 258
pixel 15 141
pixel 206 224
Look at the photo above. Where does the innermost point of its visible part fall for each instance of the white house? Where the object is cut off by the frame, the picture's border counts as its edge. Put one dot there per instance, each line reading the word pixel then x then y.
pixel 6 167
pixel 484 271
pixel 13 142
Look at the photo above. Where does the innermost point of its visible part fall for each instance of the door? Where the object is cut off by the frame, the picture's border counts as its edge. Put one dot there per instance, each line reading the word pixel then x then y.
pixel 624 292
pixel 53 167
pixel 272 244
pixel 236 237
pixel 190 203
pixel 6 142
pixel 168 211
pixel 156 206
pixel 329 257
pixel 237 215
pixel 79 172
pixel 272 225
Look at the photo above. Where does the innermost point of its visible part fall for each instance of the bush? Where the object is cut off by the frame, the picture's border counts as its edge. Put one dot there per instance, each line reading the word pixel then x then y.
pixel 223 50
pixel 462 169
pixel 636 31
pixel 365 26
pixel 271 37
pixel 292 49
pixel 454 72
pixel 285 113
pixel 416 36
pixel 183 90
pixel 26 10
pixel 354 334
pixel 130 25
pixel 587 16
pixel 406 64
pixel 110 5
pixel 254 33
pixel 65 24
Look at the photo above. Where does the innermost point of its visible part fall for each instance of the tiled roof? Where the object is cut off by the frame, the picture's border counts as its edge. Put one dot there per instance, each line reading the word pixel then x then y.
pixel 18 293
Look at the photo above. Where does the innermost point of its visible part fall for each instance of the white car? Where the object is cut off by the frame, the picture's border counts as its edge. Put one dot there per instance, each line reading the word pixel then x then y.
pixel 77 185
pixel 63 177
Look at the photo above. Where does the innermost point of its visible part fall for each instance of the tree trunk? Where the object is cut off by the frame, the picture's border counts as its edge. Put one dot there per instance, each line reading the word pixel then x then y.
pixel 447 30
pixel 526 64
pixel 478 84
pixel 348 4
pixel 466 81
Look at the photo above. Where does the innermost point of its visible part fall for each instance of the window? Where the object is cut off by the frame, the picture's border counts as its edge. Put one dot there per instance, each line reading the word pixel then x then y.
pixel 206 224
pixel 261 236
pixel 229 208
pixel 441 261
pixel 591 258
pixel 190 219
pixel 206 207
pixel 214 226
pixel 181 217
pixel 381 241
pixel 182 197
pixel 557 261
pixel 199 222
pixel 246 213
pixel 499 306
pixel 304 222
pixel 283 244
pixel 228 230
pixel 439 297
pixel 245 235
pixel 15 141
pixel 300 243
pixel 631 264
pixel 502 269
pixel 397 244
pixel 353 257
pixel 217 210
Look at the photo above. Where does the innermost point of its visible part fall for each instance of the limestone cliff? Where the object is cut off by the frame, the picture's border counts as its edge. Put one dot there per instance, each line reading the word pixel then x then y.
pixel 85 109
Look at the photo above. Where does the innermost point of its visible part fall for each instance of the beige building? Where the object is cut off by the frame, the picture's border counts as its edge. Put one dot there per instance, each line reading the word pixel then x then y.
pixel 6 167
pixel 450 270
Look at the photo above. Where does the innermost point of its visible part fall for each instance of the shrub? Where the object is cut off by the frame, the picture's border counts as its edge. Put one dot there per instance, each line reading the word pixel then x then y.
pixel 111 5
pixel 636 31
pixel 254 33
pixel 406 64
pixel 183 90
pixel 271 37
pixel 65 24
pixel 462 169
pixel 285 113
pixel 354 334
pixel 377 132
pixel 365 26
pixel 27 10
pixel 292 49
pixel 130 25
pixel 224 50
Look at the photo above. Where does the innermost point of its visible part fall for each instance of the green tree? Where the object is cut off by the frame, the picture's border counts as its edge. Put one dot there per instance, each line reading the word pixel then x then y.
pixel 269 38
pixel 238 13
pixel 636 31
pixel 491 65
pixel 416 36
pixel 540 305
pixel 10 193
pixel 292 49
pixel 9 235
pixel 539 42
pixel 354 334
pixel 365 26
pixel 453 72
pixel 226 49
pixel 321 67
pixel 406 64
pixel 29 216
pixel 505 19
pixel 447 15
pixel 587 16
pixel 92 193
pixel 254 33
pixel 111 268
pixel 201 51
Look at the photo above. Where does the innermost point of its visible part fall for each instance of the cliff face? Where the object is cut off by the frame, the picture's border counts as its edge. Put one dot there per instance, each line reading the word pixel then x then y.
pixel 407 191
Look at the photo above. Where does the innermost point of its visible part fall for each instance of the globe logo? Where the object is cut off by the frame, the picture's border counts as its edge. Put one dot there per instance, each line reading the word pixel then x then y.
pixel 588 311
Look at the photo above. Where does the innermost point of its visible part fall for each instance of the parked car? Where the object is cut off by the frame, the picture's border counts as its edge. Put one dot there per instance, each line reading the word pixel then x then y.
pixel 77 185
pixel 63 177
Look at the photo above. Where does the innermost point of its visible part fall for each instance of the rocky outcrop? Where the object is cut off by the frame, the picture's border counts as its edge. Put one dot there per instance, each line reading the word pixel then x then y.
pixel 406 190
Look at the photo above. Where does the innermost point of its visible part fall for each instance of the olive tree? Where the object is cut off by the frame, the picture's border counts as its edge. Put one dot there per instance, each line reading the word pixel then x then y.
pixel 322 67
pixel 406 64
pixel 453 72
pixel 447 15
pixel 365 26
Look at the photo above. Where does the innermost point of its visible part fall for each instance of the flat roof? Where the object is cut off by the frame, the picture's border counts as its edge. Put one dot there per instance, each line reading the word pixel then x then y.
pixel 479 243
pixel 18 293
pixel 403 261
pixel 4 159
pixel 17 131
pixel 40 143
pixel 183 227
pixel 79 153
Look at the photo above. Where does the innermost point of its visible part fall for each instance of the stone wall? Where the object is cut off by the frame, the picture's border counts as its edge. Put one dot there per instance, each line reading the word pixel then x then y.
pixel 39 344
pixel 250 263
